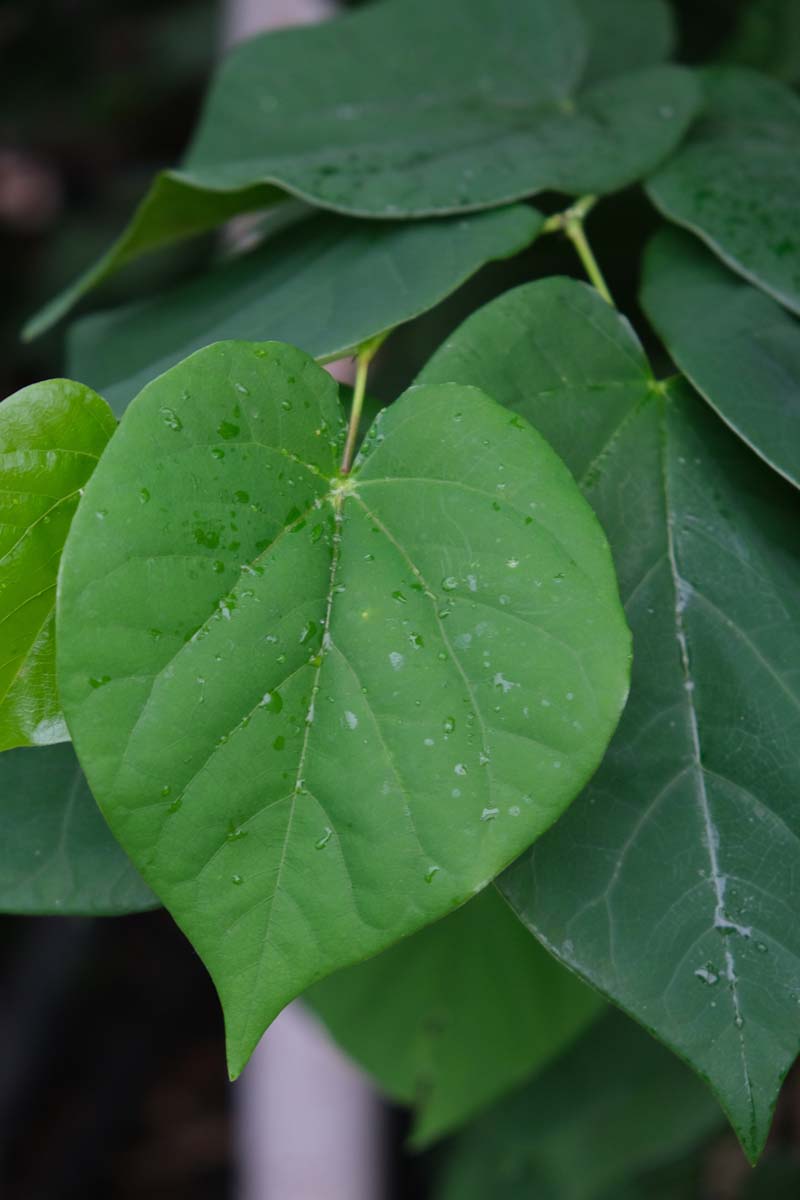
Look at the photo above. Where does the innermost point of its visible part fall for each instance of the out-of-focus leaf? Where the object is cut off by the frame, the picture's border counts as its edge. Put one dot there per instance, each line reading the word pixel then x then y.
pixel 767 37
pixel 451 1018
pixel 56 852
pixel 615 1104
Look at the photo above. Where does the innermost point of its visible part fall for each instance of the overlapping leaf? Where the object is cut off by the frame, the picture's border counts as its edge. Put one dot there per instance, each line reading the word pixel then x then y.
pixel 412 109
pixel 670 883
pixel 326 285
pixel 172 209
pixel 320 712
pixel 739 347
pixel 616 1104
pixel 451 1018
pixel 625 35
pixel 735 182
pixel 56 852
pixel 51 437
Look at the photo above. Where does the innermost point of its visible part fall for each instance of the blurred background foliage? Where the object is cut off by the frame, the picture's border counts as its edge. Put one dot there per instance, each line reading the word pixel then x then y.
pixel 97 1100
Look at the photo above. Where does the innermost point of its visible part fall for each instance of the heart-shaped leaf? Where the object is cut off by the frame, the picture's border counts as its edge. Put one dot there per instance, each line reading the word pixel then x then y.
pixel 667 884
pixel 451 1018
pixel 614 1105
pixel 326 285
pixel 735 182
pixel 740 348
pixel 413 109
pixel 51 436
pixel 56 853
pixel 321 711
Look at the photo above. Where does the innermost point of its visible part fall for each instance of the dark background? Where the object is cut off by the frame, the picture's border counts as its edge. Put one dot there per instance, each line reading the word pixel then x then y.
pixel 112 1079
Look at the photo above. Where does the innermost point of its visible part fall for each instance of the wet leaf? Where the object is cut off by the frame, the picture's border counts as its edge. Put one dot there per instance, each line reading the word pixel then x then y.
pixel 319 713
pixel 668 882
pixel 51 437
pixel 735 181
pixel 739 347
pixel 412 109
pixel 451 1018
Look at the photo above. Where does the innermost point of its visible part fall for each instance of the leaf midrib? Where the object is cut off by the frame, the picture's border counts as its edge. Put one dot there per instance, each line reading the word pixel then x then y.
pixel 711 838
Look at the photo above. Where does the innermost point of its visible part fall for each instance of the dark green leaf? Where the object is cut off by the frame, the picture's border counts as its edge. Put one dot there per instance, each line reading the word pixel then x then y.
pixel 668 884
pixel 776 1179
pixel 735 183
pixel 51 436
pixel 413 109
pixel 626 35
pixel 767 36
pixel 454 1016
pixel 56 853
pixel 320 712
pixel 615 1104
pixel 740 348
pixel 326 285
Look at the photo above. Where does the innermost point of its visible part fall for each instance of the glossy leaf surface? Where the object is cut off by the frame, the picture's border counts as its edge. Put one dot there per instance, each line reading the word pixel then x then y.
pixel 326 285
pixel 56 852
pixel 668 882
pixel 451 1018
pixel 735 182
pixel 412 109
pixel 614 1105
pixel 51 437
pixel 317 713
pixel 739 347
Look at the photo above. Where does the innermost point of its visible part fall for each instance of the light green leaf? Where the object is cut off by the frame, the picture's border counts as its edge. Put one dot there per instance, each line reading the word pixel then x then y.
pixel 413 109
pixel 317 712
pixel 667 884
pixel 51 436
pixel 614 1105
pixel 740 348
pixel 56 853
pixel 451 1018
pixel 327 286
pixel 735 182
pixel 626 35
